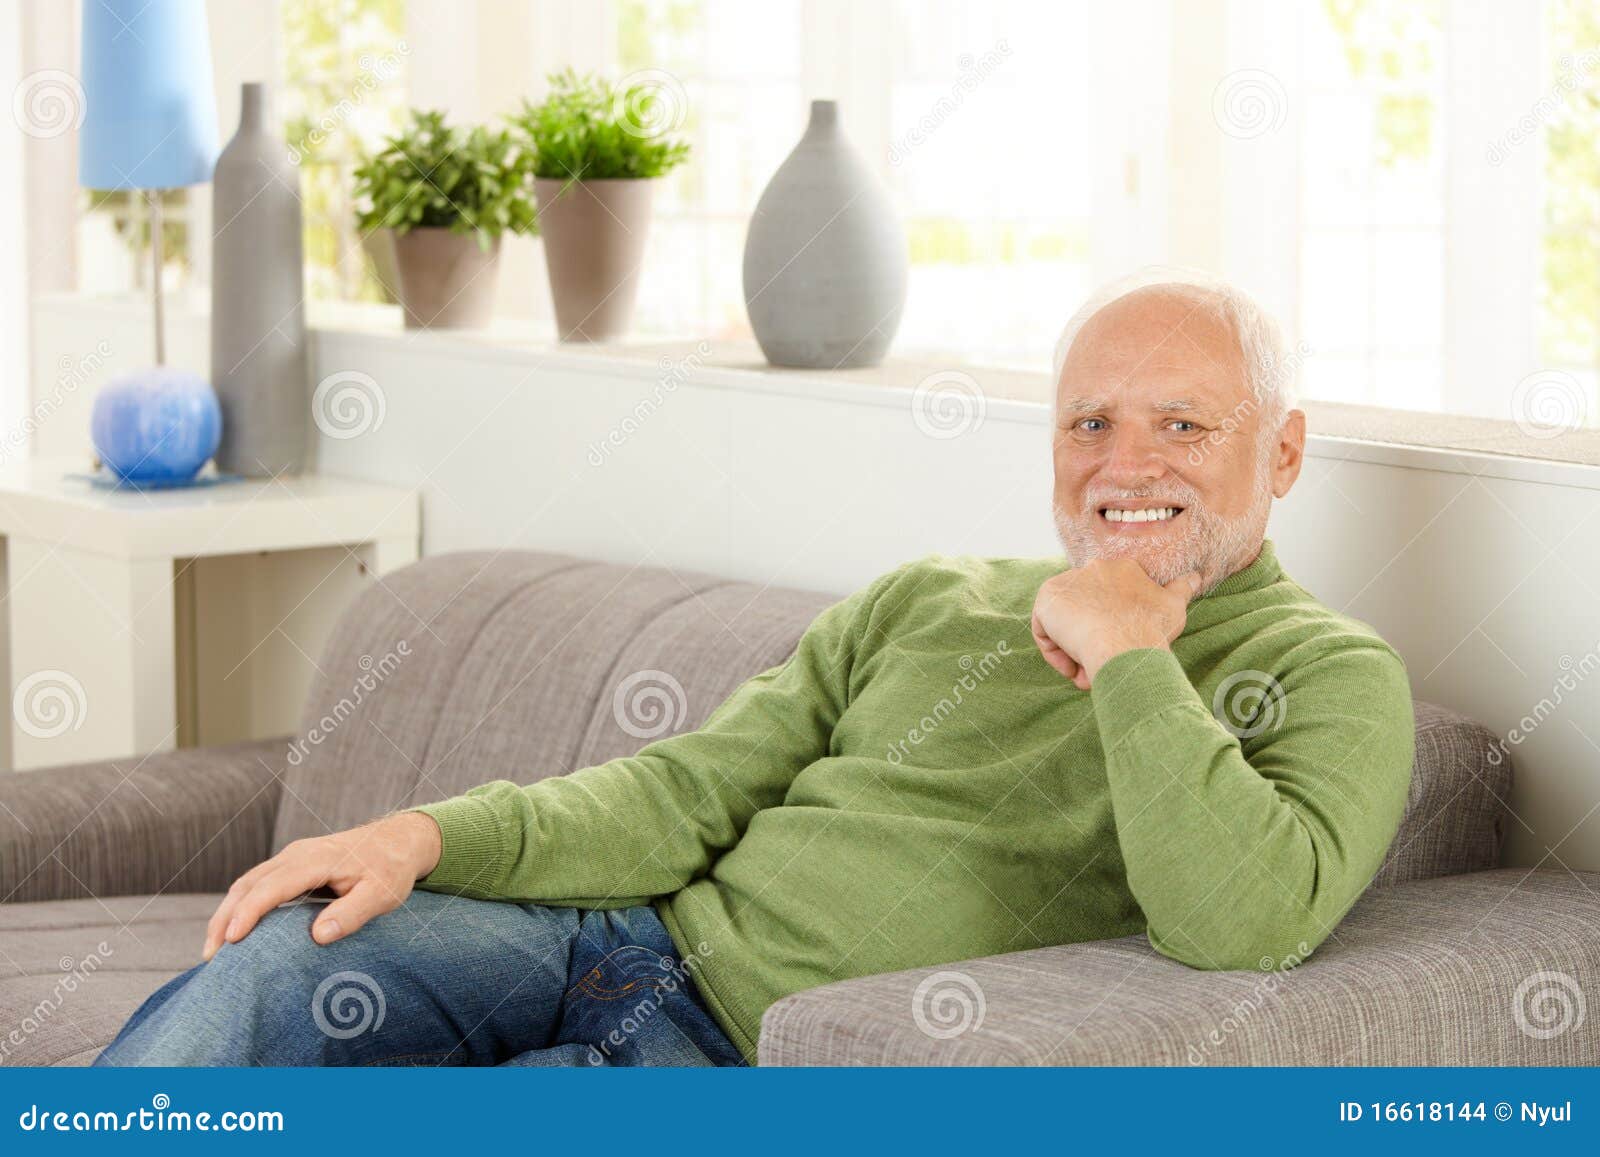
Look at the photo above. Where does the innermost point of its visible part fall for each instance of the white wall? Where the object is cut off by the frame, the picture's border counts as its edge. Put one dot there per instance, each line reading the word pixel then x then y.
pixel 1484 572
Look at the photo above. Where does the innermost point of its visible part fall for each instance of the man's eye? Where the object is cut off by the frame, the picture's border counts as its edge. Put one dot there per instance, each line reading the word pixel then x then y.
pixel 1092 425
pixel 1183 427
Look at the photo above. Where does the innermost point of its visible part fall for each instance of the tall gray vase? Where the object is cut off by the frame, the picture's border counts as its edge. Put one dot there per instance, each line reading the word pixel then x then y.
pixel 825 261
pixel 258 328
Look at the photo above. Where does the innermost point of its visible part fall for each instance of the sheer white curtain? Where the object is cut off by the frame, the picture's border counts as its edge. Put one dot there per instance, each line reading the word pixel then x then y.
pixel 1372 209
pixel 38 180
pixel 13 211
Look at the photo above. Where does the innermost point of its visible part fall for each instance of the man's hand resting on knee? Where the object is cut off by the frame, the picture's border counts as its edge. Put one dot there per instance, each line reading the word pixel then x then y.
pixel 372 868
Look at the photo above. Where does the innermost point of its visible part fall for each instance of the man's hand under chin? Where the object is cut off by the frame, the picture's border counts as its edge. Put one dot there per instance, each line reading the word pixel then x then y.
pixel 1086 616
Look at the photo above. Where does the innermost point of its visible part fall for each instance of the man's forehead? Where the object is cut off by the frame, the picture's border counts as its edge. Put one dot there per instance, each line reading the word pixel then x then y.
pixel 1158 329
pixel 1158 378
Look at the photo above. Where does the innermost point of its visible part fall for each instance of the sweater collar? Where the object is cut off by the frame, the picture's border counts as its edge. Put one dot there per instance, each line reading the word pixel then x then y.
pixel 1263 572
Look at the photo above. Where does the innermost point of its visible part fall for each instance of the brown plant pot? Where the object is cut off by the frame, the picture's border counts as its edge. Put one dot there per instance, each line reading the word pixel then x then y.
pixel 446 280
pixel 594 236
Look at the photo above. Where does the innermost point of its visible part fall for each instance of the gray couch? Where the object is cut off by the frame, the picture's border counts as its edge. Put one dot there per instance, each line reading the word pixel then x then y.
pixel 471 667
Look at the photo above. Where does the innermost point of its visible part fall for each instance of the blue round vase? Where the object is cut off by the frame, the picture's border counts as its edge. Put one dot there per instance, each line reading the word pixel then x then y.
pixel 156 426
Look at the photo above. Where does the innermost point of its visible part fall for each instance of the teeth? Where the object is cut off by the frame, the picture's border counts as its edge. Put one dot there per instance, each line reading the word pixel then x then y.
pixel 1159 514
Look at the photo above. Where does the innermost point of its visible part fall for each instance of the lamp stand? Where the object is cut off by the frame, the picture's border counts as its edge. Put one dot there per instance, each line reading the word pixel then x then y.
pixel 155 275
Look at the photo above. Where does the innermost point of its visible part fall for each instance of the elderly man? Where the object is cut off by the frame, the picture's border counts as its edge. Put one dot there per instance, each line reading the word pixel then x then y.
pixel 968 757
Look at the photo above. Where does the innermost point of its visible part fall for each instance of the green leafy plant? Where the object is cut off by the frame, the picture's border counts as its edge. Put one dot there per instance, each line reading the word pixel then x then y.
pixel 589 129
pixel 433 175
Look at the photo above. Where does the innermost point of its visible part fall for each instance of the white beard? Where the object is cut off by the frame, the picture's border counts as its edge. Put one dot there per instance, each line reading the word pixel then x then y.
pixel 1211 545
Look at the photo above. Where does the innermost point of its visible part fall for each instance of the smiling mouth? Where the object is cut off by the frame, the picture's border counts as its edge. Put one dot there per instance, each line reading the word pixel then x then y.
pixel 1139 516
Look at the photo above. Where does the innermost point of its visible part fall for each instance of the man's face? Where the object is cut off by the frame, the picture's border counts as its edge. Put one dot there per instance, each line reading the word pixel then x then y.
pixel 1158 448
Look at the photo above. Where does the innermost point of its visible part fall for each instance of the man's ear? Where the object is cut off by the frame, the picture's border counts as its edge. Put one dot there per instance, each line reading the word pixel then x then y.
pixel 1289 454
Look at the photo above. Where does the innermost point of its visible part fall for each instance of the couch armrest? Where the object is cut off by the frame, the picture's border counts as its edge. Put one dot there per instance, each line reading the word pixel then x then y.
pixel 179 821
pixel 1482 968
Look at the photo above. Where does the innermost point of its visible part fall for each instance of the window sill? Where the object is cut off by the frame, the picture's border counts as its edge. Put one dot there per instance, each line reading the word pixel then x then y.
pixel 1338 430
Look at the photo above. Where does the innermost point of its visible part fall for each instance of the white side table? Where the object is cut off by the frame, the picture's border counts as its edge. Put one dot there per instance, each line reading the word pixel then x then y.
pixel 100 585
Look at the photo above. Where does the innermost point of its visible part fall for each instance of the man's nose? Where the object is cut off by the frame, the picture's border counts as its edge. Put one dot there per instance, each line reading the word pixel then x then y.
pixel 1134 458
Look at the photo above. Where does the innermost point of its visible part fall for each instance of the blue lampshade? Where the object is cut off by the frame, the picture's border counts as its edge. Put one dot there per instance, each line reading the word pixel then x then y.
pixel 150 119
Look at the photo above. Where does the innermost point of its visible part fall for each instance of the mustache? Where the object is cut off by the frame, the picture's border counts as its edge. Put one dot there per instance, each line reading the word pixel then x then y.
pixel 1178 495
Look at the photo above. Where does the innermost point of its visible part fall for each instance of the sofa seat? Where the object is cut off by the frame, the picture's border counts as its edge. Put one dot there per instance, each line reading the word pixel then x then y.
pixel 62 995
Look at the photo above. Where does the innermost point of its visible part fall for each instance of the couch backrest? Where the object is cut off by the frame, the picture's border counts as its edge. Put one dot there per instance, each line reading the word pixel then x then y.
pixel 511 664
pixel 1459 800
pixel 470 667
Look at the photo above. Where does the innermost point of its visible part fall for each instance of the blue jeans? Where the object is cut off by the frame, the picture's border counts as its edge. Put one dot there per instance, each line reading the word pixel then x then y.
pixel 441 980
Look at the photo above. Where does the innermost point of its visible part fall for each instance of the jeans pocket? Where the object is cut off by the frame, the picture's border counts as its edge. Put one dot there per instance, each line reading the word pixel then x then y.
pixel 629 972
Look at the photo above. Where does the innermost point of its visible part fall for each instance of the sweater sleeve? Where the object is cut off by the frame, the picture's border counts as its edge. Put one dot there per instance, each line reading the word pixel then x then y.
pixel 619 833
pixel 1246 845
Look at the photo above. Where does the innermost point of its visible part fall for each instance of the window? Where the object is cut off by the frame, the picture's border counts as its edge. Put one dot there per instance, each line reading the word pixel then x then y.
pixel 1569 275
pixel 739 67
pixel 1443 236
pixel 1418 207
pixel 990 112
pixel 1372 200
pixel 343 91
pixel 977 116
pixel 114 240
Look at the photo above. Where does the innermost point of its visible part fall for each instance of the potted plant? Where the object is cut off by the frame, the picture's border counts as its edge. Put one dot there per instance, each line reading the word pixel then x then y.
pixel 446 195
pixel 598 148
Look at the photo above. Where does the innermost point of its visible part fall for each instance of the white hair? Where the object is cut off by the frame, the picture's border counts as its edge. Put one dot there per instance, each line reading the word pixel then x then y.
pixel 1270 368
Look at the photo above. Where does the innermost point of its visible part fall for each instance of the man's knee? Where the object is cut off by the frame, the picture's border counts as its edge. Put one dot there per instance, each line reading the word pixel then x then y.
pixel 278 947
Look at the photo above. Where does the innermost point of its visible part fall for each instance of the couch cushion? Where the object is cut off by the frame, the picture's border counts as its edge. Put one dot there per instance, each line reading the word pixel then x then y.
pixel 518 665
pixel 1457 807
pixel 72 971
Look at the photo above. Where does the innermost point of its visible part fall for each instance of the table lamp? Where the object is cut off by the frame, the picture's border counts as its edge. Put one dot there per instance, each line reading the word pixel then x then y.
pixel 150 123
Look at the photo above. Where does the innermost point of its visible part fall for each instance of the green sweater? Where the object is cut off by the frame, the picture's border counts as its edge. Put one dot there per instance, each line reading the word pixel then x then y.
pixel 916 786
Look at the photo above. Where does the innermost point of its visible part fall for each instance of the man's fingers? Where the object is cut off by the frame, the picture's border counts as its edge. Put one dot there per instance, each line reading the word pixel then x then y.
pixel 271 890
pixel 215 925
pixel 1052 653
pixel 219 919
pixel 1061 661
pixel 352 910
